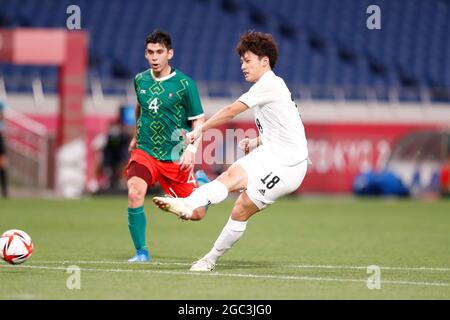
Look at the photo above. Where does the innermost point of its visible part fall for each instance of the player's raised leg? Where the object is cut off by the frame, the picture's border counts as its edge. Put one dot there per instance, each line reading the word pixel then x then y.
pixel 202 179
pixel 243 209
pixel 137 222
pixel 235 178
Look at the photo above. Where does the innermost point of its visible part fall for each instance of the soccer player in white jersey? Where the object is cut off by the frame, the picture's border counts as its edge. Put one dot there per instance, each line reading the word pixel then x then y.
pixel 275 162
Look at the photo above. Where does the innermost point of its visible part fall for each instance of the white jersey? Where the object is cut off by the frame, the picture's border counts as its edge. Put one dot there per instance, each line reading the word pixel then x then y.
pixel 278 120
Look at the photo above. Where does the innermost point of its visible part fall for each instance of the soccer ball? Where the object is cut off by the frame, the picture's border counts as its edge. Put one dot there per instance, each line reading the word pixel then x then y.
pixel 15 246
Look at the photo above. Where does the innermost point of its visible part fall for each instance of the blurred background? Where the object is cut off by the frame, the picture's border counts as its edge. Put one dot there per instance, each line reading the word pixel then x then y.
pixel 375 102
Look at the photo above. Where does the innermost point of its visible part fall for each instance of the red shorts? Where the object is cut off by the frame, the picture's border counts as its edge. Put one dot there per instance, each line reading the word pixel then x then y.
pixel 169 175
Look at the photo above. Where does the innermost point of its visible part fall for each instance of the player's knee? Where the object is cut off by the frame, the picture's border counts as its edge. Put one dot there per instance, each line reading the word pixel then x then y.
pixel 224 176
pixel 135 199
pixel 233 179
pixel 136 195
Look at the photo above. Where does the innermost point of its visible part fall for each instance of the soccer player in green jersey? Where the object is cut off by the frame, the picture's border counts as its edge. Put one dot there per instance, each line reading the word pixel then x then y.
pixel 168 106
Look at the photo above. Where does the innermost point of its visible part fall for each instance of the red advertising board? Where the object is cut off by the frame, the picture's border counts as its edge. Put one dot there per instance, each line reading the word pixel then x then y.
pixel 339 152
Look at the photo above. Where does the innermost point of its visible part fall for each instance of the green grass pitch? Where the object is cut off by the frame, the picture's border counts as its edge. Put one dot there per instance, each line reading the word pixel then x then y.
pixel 299 248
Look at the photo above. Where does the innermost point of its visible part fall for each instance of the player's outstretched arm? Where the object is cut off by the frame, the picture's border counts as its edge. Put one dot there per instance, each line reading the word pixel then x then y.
pixel 222 116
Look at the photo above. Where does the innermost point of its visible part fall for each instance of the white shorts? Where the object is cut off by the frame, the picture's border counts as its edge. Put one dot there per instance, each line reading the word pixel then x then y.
pixel 268 180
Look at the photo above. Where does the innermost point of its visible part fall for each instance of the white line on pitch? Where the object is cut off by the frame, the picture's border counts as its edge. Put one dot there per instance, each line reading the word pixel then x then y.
pixel 300 266
pixel 365 267
pixel 235 275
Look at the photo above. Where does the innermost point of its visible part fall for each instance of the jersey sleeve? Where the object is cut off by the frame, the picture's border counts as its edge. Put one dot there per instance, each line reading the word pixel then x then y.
pixel 193 103
pixel 259 94
pixel 136 86
pixel 137 83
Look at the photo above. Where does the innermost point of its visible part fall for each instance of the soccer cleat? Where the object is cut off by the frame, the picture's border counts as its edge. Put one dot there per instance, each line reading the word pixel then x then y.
pixel 201 177
pixel 175 205
pixel 141 256
pixel 203 264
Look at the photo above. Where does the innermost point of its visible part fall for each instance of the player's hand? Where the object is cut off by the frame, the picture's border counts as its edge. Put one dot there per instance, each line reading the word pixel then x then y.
pixel 187 160
pixel 194 135
pixel 248 145
pixel 132 144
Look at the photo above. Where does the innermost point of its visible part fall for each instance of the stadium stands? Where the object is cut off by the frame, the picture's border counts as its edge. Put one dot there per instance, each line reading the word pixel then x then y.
pixel 324 44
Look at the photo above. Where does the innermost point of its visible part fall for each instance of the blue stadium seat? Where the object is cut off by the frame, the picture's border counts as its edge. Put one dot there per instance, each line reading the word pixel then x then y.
pixel 322 42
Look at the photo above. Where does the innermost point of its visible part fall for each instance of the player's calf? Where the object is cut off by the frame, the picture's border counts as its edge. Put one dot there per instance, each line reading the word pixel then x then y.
pixel 198 214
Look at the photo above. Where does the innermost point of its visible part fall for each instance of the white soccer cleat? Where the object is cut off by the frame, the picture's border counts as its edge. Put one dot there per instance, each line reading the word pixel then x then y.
pixel 204 265
pixel 175 205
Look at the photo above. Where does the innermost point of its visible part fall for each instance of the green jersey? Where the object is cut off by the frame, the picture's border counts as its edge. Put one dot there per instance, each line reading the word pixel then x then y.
pixel 168 104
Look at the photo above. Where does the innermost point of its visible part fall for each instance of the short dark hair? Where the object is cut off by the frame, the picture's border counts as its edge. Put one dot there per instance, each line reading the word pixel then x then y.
pixel 161 37
pixel 259 43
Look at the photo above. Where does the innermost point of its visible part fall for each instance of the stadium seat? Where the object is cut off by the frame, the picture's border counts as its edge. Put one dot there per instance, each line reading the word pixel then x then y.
pixel 322 42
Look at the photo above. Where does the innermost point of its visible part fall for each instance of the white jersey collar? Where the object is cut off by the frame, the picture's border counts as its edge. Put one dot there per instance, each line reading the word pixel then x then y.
pixel 268 73
pixel 174 72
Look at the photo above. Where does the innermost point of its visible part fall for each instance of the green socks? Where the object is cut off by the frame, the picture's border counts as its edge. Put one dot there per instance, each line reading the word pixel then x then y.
pixel 137 224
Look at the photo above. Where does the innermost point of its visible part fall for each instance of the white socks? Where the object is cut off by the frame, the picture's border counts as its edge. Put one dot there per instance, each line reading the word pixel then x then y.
pixel 213 193
pixel 230 234
pixel 209 193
